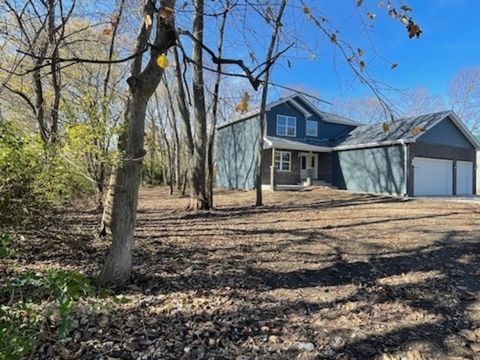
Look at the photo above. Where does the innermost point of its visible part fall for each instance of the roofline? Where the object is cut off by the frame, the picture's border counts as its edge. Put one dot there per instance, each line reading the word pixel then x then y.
pixel 290 98
pixel 458 123
pixel 320 113
pixel 372 144
pixel 300 146
pixel 300 108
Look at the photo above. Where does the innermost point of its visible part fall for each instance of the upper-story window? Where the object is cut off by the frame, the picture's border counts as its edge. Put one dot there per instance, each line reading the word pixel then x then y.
pixel 286 125
pixel 312 128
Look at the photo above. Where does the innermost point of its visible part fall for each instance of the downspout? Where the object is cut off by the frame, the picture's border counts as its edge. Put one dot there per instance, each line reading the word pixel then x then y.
pixel 405 164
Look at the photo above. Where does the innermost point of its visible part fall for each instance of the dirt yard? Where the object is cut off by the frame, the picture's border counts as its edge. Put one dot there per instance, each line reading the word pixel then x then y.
pixel 318 274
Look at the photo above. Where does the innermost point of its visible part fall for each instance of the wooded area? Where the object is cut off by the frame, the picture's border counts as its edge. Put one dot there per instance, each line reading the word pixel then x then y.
pixel 100 98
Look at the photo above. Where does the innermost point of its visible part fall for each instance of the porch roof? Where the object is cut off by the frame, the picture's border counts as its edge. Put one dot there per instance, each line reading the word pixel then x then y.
pixel 272 142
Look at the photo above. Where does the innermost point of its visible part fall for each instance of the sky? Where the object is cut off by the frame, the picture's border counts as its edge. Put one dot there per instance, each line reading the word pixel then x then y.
pixel 450 41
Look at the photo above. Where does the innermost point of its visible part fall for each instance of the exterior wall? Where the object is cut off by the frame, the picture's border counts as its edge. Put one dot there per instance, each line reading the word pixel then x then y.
pixel 325 167
pixel 282 177
pixel 477 171
pixel 445 133
pixel 326 130
pixel 236 155
pixel 374 170
pixel 439 151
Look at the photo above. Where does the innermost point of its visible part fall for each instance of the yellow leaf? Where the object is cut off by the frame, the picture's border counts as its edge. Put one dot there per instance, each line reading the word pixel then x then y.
pixel 386 127
pixel 162 61
pixel 242 106
pixel 166 13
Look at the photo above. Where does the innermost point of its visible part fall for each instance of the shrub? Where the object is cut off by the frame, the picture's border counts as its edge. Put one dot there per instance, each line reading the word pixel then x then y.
pixel 21 325
pixel 33 176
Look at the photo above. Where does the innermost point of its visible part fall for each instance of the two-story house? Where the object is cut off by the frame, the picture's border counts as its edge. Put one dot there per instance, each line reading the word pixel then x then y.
pixel 431 154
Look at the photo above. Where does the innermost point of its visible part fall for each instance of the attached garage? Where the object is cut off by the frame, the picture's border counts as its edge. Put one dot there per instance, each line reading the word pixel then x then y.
pixel 433 177
pixel 436 156
pixel 464 178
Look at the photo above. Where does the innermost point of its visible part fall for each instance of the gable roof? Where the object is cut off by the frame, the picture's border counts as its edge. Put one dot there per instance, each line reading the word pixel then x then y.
pixel 401 131
pixel 305 110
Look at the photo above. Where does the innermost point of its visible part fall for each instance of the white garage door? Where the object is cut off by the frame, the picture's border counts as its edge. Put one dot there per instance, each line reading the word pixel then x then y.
pixel 433 177
pixel 464 178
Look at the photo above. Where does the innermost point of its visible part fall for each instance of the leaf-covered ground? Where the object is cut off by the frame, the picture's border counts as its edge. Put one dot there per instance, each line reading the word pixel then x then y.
pixel 318 274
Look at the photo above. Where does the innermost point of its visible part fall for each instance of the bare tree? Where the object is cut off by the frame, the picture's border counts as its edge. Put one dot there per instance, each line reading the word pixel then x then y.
pixel 270 59
pixel 464 96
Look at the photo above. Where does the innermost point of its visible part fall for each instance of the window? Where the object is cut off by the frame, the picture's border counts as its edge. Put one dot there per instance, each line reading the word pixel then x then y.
pixel 312 128
pixel 282 160
pixel 286 125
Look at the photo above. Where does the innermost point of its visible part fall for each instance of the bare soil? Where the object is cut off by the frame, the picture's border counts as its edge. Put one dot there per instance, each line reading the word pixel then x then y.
pixel 316 274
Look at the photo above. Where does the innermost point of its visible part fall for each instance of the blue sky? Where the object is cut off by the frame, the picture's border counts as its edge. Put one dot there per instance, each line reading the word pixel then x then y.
pixel 450 41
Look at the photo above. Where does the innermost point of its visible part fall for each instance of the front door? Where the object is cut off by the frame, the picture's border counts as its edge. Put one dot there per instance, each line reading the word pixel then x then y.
pixel 308 161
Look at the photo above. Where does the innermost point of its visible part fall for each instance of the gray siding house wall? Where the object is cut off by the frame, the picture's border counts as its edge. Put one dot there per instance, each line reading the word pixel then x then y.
pixel 376 170
pixel 236 155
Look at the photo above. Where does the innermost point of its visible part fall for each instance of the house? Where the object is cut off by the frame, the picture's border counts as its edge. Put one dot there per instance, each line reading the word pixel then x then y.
pixel 431 154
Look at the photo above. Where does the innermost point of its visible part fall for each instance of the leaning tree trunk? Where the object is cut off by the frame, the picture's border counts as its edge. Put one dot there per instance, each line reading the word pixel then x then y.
pixel 142 85
pixel 125 199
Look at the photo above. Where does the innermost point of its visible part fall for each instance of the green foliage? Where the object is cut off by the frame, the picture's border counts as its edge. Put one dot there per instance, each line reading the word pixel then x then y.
pixel 19 332
pixel 33 176
pixel 5 243
pixel 21 323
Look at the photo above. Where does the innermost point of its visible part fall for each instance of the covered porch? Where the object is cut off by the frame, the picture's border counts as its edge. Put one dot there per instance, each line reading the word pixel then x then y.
pixel 293 165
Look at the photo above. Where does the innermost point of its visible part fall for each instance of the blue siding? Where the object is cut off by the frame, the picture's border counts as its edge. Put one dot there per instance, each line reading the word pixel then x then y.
pixel 445 133
pixel 236 155
pixel 373 170
pixel 326 130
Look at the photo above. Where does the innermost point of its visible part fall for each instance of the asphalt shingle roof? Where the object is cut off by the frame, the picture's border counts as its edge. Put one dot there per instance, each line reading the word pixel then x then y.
pixel 400 129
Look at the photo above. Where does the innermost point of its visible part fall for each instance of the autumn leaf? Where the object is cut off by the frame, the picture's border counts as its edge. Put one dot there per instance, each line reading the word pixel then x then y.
pixel 166 13
pixel 333 38
pixel 162 61
pixel 360 52
pixel 386 127
pixel 242 106
pixel 413 29
pixel 107 31
pixel 306 10
pixel 416 131
pixel 394 66
pixel 362 65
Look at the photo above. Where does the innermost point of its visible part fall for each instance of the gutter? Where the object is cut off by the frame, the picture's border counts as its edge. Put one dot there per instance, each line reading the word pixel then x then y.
pixel 372 144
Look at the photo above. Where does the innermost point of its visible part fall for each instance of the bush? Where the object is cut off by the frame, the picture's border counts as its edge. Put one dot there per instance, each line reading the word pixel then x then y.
pixel 22 324
pixel 33 176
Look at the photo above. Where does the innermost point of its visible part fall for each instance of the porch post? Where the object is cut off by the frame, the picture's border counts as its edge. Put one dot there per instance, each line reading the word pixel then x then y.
pixel 309 169
pixel 272 171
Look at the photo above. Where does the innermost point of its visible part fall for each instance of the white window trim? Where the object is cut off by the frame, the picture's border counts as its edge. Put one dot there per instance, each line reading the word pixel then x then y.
pixel 287 117
pixel 280 153
pixel 316 128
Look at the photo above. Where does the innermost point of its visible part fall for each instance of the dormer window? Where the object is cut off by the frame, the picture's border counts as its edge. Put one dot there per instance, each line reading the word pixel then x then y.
pixel 286 125
pixel 312 128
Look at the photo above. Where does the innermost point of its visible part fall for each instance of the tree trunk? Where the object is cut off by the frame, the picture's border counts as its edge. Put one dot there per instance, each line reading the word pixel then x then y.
pixel 216 95
pixel 269 61
pixel 198 194
pixel 125 198
pixel 142 85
